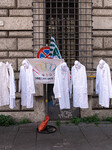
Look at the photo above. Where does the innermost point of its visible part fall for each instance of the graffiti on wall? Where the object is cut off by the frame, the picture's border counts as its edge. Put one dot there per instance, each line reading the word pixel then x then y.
pixel 65 114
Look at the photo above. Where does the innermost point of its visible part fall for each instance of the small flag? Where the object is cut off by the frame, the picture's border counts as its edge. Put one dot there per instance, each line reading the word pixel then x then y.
pixel 54 51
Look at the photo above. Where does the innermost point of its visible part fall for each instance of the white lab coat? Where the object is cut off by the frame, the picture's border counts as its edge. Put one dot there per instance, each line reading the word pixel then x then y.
pixel 103 83
pixel 4 85
pixel 26 84
pixel 62 85
pixel 79 82
pixel 12 87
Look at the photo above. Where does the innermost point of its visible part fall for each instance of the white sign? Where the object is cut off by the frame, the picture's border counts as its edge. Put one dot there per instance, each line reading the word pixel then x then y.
pixel 44 69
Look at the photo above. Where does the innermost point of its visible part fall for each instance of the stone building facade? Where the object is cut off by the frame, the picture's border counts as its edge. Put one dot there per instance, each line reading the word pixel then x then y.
pixel 16 45
pixel 102 46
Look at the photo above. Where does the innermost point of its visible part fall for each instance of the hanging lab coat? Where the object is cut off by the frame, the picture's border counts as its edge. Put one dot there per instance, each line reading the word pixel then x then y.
pixel 12 87
pixel 79 82
pixel 4 85
pixel 26 84
pixel 103 84
pixel 62 85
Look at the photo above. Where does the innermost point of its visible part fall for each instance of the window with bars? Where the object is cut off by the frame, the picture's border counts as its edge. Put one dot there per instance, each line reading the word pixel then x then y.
pixel 62 23
pixel 70 22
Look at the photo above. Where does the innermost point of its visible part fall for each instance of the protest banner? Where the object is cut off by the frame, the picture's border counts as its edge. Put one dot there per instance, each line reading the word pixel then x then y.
pixel 44 69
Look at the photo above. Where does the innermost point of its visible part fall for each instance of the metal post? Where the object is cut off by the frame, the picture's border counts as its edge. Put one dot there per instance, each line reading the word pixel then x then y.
pixel 46 100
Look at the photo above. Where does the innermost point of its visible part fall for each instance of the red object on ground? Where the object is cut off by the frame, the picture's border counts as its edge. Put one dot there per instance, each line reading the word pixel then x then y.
pixel 43 125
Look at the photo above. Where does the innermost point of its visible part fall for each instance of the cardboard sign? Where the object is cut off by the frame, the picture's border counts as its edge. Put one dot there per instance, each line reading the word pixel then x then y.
pixel 44 69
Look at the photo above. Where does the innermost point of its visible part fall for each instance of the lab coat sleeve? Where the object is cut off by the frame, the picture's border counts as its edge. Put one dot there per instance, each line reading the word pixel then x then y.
pixel 7 77
pixel 69 79
pixel 97 82
pixel 12 88
pixel 56 88
pixel 20 80
pixel 85 80
pixel 32 85
pixel 71 83
pixel 109 82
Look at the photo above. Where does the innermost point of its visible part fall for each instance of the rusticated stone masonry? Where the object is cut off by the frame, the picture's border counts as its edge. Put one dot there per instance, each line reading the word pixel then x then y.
pixel 15 32
pixel 16 44
pixel 102 49
pixel 102 31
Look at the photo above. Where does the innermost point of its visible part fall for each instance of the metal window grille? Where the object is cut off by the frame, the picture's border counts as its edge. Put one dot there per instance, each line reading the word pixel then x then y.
pixel 70 22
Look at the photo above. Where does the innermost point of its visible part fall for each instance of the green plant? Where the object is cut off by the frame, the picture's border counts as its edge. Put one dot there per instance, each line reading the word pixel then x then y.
pixel 25 121
pixel 108 119
pixel 7 121
pixel 66 122
pixel 96 123
pixel 76 120
pixel 91 119
pixel 58 123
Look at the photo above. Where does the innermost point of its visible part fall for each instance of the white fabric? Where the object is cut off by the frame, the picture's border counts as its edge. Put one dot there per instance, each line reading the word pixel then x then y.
pixel 103 83
pixel 26 84
pixel 62 85
pixel 12 87
pixel 79 82
pixel 4 85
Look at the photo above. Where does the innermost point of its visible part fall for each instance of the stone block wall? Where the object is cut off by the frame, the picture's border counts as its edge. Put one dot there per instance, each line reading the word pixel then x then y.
pixel 102 31
pixel 102 49
pixel 15 32
pixel 16 45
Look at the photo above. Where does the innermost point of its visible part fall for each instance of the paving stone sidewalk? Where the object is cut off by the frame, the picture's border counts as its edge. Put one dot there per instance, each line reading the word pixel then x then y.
pixel 67 137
